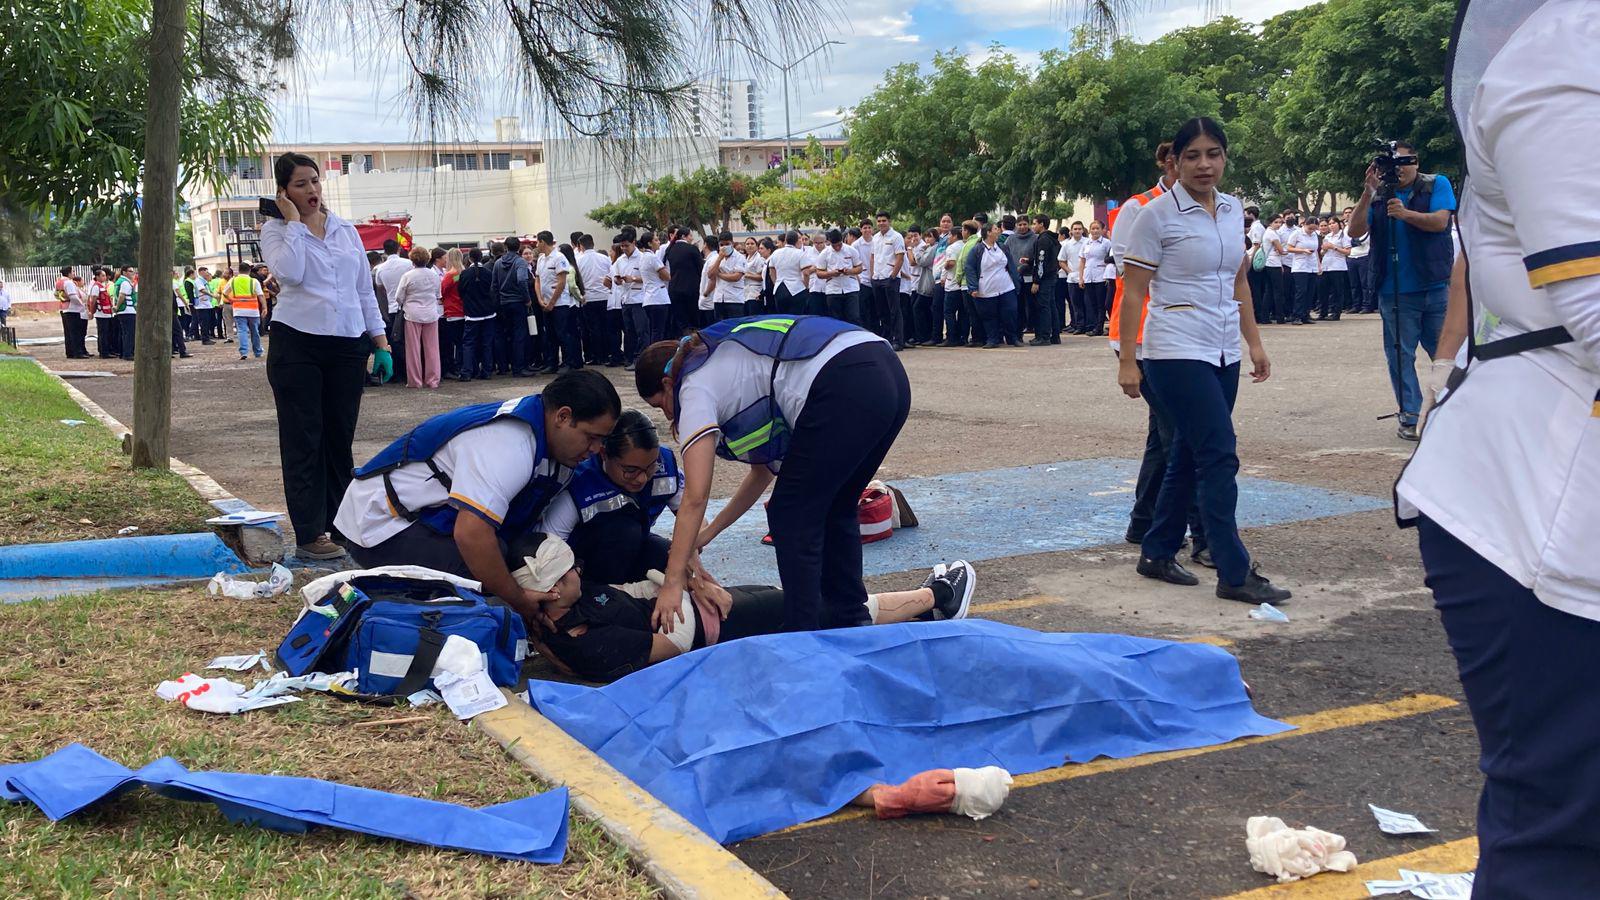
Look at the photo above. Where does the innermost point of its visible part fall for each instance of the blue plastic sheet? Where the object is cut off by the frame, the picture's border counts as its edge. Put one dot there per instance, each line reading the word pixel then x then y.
pixel 533 829
pixel 759 734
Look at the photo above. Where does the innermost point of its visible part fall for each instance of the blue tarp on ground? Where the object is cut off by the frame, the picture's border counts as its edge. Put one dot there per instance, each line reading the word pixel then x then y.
pixel 756 735
pixel 533 829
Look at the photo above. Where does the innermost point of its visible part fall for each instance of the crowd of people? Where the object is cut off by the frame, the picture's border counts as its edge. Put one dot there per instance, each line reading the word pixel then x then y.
pixel 206 308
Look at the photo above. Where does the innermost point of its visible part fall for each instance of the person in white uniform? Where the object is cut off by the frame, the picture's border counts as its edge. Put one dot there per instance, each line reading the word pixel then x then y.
pixel 1504 488
pixel 1187 254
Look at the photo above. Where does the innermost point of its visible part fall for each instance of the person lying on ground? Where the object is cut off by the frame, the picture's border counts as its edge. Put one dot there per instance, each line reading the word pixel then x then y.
pixel 602 632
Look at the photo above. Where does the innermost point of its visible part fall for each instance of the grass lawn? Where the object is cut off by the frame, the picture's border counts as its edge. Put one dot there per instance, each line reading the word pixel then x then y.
pixel 85 669
pixel 60 482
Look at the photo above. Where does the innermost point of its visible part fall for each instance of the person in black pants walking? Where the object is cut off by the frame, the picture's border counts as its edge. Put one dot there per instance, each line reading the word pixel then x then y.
pixel 327 321
pixel 843 426
pixel 683 262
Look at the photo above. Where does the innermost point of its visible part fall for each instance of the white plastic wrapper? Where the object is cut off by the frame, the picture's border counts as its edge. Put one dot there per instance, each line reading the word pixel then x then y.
pixel 242 663
pixel 980 792
pixel 1391 822
pixel 1291 854
pixel 462 681
pixel 282 683
pixel 239 589
pixel 1266 612
pixel 215 695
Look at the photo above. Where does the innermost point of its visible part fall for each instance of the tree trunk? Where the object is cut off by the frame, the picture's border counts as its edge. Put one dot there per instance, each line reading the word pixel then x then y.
pixel 152 365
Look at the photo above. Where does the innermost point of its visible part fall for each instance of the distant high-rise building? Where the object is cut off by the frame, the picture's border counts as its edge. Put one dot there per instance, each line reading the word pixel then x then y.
pixel 726 108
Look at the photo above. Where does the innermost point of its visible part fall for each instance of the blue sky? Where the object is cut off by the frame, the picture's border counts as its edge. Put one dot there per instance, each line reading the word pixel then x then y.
pixel 333 101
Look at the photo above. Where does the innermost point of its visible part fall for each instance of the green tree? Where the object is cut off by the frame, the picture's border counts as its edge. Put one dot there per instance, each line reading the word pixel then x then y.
pixel 936 143
pixel 1091 120
pixel 704 200
pixel 97 237
pixel 1368 70
pixel 835 196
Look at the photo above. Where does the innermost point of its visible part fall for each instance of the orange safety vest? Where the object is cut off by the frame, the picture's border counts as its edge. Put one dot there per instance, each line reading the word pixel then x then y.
pixel 1115 331
pixel 244 295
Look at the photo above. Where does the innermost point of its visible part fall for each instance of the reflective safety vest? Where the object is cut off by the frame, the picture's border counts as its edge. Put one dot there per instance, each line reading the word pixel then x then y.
pixel 421 443
pixel 244 293
pixel 759 433
pixel 594 493
pixel 120 303
pixel 1114 332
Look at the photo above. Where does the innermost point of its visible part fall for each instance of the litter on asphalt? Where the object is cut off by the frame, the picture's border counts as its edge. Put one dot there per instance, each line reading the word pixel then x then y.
pixel 1290 854
pixel 1266 612
pixel 1425 885
pixel 1391 822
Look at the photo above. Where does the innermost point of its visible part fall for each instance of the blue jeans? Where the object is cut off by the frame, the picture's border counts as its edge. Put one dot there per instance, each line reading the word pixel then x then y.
pixel 249 328
pixel 1525 669
pixel 1418 321
pixel 1202 462
pixel 999 316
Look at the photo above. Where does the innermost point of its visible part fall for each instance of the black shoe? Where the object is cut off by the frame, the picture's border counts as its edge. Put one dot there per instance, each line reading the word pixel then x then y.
pixel 1255 590
pixel 549 370
pixel 525 373
pixel 207 343
pixel 463 377
pixel 1203 557
pixel 989 346
pixel 1167 570
pixel 184 355
pixel 1039 342
pixel 482 377
pixel 954 603
pixel 1408 433
pixel 628 367
pixel 1133 536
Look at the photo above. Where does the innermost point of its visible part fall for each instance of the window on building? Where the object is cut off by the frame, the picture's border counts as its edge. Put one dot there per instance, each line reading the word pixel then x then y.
pixel 239 219
pixel 497 160
pixel 247 167
pixel 460 161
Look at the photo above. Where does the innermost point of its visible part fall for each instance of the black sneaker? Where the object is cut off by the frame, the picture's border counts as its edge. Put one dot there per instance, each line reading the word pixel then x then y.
pixel 1408 432
pixel 1167 570
pixel 961 580
pixel 1203 557
pixel 1255 590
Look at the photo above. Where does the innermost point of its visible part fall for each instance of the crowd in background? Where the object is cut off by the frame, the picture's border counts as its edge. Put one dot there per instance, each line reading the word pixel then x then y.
pixel 208 308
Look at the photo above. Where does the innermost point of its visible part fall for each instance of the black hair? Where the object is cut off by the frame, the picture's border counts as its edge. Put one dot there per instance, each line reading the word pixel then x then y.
pixel 545 237
pixel 1253 210
pixel 628 233
pixel 391 247
pixel 880 214
pixel 513 244
pixel 586 392
pixel 1406 144
pixel 577 276
pixel 914 229
pixel 586 241
pixel 855 232
pixel 1008 222
pixel 476 255
pixel 646 237
pixel 633 431
pixel 791 238
pixel 437 252
pixel 1200 125
pixel 497 248
pixel 1042 219
pixel 981 218
pixel 724 236
pixel 834 236
pixel 66 270
pixel 575 238
pixel 768 243
pixel 374 257
pixel 283 168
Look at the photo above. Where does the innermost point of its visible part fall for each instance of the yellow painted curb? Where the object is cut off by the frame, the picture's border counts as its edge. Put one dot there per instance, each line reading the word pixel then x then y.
pixel 1455 856
pixel 676 855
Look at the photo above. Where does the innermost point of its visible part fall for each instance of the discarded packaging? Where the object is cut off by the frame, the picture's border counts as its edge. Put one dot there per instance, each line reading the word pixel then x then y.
pixel 282 683
pixel 128 530
pixel 980 792
pixel 462 681
pixel 252 517
pixel 1391 822
pixel 1425 885
pixel 240 589
pixel 424 697
pixel 1291 854
pixel 1266 612
pixel 73 422
pixel 242 663
pixel 215 695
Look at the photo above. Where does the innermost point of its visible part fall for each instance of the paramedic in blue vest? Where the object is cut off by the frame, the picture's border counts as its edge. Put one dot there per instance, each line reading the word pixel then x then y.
pixel 616 496
pixel 810 401
pixel 1503 488
pixel 453 492
pixel 1420 214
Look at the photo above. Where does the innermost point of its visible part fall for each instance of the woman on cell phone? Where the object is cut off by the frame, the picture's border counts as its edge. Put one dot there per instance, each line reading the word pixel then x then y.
pixel 325 326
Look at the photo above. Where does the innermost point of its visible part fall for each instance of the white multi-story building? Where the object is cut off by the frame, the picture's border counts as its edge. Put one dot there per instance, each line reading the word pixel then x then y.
pixel 741 109
pixel 464 194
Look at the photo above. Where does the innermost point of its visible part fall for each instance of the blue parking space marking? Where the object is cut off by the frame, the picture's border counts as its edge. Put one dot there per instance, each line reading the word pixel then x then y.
pixel 1017 511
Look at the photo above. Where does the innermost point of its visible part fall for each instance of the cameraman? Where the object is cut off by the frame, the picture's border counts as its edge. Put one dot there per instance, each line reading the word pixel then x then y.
pixel 1420 210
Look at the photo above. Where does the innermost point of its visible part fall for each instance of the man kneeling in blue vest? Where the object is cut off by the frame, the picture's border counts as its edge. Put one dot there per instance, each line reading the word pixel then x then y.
pixel 500 463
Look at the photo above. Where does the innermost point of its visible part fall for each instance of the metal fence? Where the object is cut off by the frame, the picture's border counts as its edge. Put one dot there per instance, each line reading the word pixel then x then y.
pixel 36 284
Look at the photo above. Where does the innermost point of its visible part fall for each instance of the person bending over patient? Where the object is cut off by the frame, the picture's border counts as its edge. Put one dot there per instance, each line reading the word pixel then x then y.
pixel 602 632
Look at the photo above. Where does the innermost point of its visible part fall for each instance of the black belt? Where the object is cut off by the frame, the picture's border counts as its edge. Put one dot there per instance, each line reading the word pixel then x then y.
pixel 394 498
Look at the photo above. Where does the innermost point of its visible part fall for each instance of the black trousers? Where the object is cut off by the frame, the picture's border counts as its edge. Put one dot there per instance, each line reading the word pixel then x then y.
pixel 417 545
pixel 1076 315
pixel 845 307
pixel 1152 469
pixel 1527 671
pixel 857 406
pixel 635 330
pixel 1096 305
pixel 615 326
pixel 565 332
pixel 127 329
pixel 452 332
pixel 684 313
pixel 107 336
pixel 316 385
pixel 788 304
pixel 618 547
pixel 75 331
pixel 817 303
pixel 1279 302
pixel 1258 292
pixel 477 348
pixel 593 315
pixel 1334 288
pixel 1046 321
pixel 886 311
pixel 395 328
pixel 510 338
pixel 1305 294
pixel 177 337
pixel 656 318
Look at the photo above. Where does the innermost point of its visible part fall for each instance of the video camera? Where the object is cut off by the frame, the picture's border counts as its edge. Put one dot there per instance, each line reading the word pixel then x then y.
pixel 1388 163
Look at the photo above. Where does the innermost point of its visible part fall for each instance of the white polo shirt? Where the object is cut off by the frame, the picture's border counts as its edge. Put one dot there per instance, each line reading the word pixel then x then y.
pixel 786 263
pixel 1195 259
pixel 845 257
pixel 994 276
pixel 730 291
pixel 885 247
pixel 595 267
pixel 1333 261
pixel 1274 238
pixel 866 251
pixel 708 292
pixel 810 258
pixel 1509 464
pixel 1303 263
pixel 754 265
pixel 1258 233
pixel 1071 252
pixel 654 290
pixel 625 267
pixel 549 268
pixel 1095 254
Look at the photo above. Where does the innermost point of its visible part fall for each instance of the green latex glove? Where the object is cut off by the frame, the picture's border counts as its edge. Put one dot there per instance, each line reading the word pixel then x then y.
pixel 383 365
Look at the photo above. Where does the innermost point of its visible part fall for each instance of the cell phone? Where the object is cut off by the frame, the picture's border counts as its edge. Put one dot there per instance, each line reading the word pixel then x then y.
pixel 269 208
